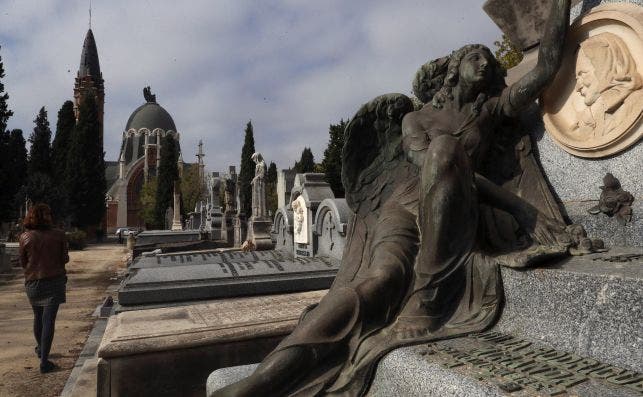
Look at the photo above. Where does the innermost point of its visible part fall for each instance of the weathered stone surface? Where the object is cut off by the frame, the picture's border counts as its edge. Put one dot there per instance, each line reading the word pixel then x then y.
pixel 588 305
pixel 331 225
pixel 197 339
pixel 522 21
pixel 166 236
pixel 206 257
pixel 222 280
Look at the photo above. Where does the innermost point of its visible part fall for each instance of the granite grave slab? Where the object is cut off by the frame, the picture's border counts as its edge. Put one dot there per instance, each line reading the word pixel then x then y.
pixel 224 279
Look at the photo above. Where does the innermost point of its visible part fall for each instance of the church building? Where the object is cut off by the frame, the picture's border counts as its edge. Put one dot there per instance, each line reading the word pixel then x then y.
pixel 140 147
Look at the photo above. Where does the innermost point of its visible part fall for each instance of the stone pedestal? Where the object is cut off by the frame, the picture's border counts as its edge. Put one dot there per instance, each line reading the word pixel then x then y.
pixel 259 233
pixel 582 310
pixel 240 230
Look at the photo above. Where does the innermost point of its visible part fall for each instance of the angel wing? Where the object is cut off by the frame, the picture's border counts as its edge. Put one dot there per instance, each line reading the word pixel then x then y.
pixel 372 146
pixel 373 165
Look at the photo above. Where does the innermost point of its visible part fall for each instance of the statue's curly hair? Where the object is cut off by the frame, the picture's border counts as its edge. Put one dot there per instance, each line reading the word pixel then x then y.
pixel 434 81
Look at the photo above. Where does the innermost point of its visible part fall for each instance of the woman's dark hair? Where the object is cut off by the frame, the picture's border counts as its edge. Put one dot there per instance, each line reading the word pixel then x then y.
pixel 38 217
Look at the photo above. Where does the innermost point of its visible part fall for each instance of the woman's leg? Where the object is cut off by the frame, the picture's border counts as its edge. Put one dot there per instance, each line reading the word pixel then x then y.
pixel 47 335
pixel 37 326
pixel 448 221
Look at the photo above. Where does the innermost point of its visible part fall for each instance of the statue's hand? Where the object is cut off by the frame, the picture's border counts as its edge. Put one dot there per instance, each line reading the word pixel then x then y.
pixel 542 229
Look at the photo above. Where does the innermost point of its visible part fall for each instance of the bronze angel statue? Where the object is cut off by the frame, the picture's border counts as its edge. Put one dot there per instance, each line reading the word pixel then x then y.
pixel 442 197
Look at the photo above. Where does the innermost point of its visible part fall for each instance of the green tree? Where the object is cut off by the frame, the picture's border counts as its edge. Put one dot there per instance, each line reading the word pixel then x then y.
pixel 192 188
pixel 306 163
pixel 5 112
pixel 60 146
pixel 168 173
pixel 13 172
pixel 59 150
pixel 40 150
pixel 271 188
pixel 148 203
pixel 247 170
pixel 332 162
pixel 85 171
pixel 506 53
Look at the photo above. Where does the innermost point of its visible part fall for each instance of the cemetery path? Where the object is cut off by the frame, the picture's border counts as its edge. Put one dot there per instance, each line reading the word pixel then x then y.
pixel 90 272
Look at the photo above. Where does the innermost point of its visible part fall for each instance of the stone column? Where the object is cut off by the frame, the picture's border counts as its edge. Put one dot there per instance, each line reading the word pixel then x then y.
pixel 176 220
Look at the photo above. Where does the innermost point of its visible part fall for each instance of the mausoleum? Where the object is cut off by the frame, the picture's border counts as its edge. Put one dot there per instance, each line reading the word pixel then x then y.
pixel 138 160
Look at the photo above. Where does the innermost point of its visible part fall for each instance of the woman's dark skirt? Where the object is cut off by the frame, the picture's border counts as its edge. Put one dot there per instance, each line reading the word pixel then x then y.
pixel 47 291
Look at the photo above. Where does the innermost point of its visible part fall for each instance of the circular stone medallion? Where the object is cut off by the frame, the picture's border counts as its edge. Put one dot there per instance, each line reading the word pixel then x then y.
pixel 594 106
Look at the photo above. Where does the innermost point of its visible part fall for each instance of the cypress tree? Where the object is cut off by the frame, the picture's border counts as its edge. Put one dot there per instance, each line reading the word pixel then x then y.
pixel 85 171
pixel 14 173
pixel 59 150
pixel 5 159
pixel 306 163
pixel 168 173
pixel 247 171
pixel 5 113
pixel 40 150
pixel 271 174
pixel 60 146
pixel 332 162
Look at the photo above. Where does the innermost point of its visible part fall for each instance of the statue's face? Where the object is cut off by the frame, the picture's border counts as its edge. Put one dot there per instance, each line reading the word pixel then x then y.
pixel 475 67
pixel 586 81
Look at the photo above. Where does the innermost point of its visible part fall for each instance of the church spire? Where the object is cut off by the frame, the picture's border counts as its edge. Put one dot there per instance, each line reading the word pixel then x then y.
pixel 89 65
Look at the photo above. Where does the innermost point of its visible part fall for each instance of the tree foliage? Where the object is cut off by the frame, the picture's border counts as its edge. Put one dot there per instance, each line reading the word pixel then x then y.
pixel 332 162
pixel 5 112
pixel 85 171
pixel 271 188
pixel 62 140
pixel 13 172
pixel 40 150
pixel 306 163
pixel 148 203
pixel 247 170
pixel 506 53
pixel 168 173
pixel 192 189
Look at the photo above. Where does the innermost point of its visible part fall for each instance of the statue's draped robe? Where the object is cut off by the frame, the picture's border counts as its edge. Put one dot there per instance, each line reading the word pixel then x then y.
pixel 383 239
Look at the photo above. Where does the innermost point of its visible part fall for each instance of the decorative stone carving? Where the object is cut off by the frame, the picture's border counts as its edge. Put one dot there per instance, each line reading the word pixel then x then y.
pixel 614 201
pixel 594 106
pixel 259 224
pixel 300 220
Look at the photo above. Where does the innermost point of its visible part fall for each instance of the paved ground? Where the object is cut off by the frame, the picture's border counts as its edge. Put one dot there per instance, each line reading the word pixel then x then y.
pixel 90 272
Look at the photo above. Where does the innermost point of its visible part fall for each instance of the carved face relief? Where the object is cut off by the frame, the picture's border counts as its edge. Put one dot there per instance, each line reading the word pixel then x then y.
pixel 475 67
pixel 586 81
pixel 594 106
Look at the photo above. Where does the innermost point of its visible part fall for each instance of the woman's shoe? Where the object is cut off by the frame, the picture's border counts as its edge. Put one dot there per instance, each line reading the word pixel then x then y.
pixel 48 366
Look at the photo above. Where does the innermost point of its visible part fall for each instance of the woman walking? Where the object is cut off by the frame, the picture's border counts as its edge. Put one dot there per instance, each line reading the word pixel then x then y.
pixel 43 254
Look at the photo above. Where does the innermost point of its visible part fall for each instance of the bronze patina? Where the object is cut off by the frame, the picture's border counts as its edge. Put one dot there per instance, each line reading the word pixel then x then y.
pixel 442 197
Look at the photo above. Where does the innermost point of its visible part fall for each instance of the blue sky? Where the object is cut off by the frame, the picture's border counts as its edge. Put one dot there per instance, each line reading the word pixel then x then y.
pixel 293 67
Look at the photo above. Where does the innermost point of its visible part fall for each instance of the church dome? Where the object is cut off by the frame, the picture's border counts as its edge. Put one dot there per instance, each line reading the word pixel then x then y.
pixel 150 115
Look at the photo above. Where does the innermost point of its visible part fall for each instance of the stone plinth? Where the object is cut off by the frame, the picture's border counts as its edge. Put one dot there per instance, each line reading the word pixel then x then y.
pixel 259 233
pixel 171 351
pixel 583 307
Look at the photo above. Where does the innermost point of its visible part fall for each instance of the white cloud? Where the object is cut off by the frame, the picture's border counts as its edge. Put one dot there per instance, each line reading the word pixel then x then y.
pixel 293 67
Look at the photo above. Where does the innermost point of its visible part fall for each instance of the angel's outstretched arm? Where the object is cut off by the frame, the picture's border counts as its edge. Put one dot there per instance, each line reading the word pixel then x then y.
pixel 543 229
pixel 527 89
